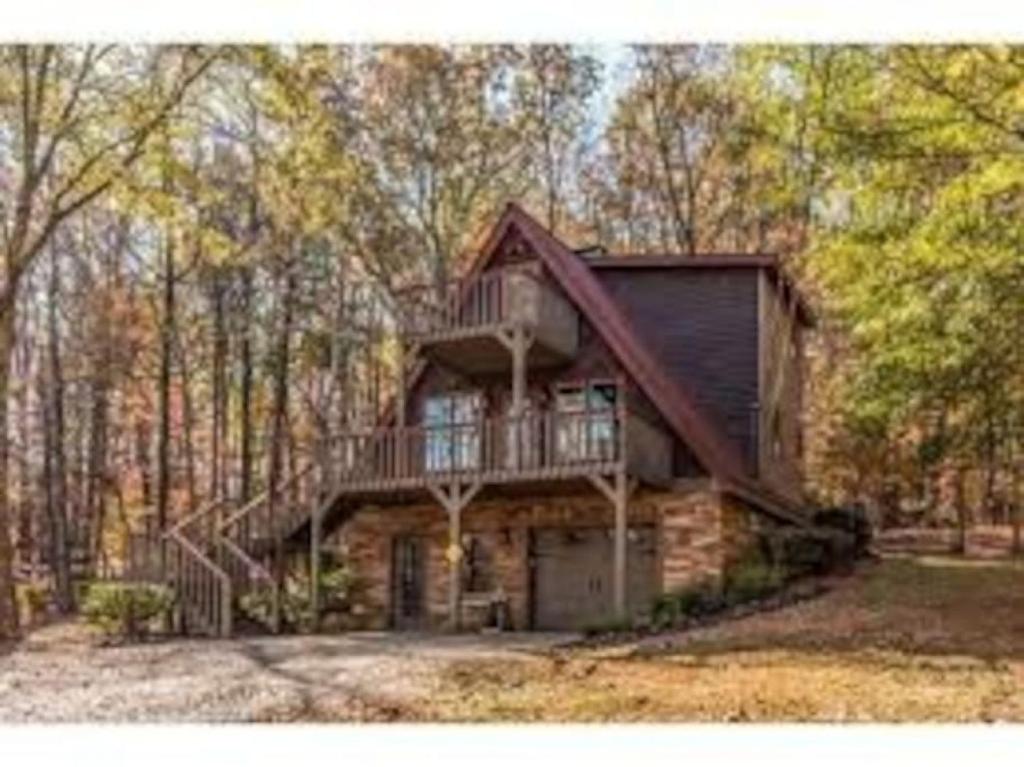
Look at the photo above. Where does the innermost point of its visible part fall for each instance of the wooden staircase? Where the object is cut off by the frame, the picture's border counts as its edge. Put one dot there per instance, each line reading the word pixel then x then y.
pixel 225 551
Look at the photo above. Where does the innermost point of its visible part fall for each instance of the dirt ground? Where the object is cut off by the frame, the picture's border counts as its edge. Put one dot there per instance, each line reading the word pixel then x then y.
pixel 905 638
pixel 59 674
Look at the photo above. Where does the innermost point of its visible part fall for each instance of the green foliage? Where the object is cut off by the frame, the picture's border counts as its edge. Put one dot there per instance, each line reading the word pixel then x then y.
pixel 609 626
pixel 752 580
pixel 921 265
pixel 337 586
pixel 749 579
pixel 698 599
pixel 125 610
pixel 32 598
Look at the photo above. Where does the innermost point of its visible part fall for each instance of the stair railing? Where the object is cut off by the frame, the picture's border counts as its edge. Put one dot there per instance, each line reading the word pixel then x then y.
pixel 247 575
pixel 202 588
pixel 256 524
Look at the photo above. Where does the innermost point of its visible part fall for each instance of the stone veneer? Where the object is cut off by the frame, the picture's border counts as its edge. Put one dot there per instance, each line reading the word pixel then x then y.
pixel 700 532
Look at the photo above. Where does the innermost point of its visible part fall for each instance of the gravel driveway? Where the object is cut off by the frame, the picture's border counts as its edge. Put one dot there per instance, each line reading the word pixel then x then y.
pixel 58 675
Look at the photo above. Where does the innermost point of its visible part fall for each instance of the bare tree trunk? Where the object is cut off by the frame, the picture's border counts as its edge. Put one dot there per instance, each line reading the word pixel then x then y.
pixel 30 536
pixel 143 442
pixel 960 503
pixel 279 415
pixel 163 488
pixel 189 418
pixel 96 497
pixel 219 393
pixel 57 497
pixel 245 391
pixel 8 606
pixel 1015 501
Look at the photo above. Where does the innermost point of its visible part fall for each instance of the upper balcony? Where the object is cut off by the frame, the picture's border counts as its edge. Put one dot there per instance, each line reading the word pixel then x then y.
pixel 466 324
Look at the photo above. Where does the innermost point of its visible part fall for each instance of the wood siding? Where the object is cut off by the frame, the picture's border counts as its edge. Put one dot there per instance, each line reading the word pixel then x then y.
pixel 702 324
pixel 780 392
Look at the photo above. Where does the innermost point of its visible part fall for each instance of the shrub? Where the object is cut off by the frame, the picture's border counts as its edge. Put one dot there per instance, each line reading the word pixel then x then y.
pixel 665 611
pixel 748 581
pixel 33 598
pixel 608 626
pixel 125 610
pixel 852 520
pixel 802 552
pixel 337 586
pixel 702 598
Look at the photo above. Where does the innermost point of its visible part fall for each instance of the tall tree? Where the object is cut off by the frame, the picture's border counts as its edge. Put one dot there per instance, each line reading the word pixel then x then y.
pixel 79 118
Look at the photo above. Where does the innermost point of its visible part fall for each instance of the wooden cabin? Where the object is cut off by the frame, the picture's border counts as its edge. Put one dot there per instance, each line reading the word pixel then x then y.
pixel 577 433
pixel 574 434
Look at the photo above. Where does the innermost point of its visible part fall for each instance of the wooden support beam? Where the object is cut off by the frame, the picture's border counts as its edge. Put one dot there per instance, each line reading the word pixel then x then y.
pixel 518 341
pixel 453 500
pixel 604 486
pixel 619 556
pixel 617 491
pixel 454 557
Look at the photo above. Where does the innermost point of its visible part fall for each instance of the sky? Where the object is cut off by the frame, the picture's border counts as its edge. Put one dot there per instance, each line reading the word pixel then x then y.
pixel 614 59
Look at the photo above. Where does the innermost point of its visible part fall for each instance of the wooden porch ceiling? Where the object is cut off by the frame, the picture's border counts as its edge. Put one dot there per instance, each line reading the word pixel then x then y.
pixel 476 351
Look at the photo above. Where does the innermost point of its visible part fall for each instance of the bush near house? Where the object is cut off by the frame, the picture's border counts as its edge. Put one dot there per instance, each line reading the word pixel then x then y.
pixel 125 610
pixel 337 588
pixel 697 600
pixel 751 580
pixel 813 551
pixel 852 520
pixel 762 571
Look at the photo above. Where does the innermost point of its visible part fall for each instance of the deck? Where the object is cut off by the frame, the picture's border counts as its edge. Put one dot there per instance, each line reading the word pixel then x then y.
pixel 531 448
pixel 468 324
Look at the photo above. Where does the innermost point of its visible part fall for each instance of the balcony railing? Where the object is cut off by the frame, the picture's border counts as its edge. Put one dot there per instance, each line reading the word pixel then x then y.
pixel 496 298
pixel 541 445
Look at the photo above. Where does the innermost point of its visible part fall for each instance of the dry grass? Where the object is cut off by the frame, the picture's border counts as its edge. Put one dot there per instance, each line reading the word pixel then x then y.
pixel 904 639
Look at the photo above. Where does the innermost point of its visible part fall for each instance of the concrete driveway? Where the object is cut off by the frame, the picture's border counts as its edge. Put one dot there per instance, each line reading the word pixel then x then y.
pixel 58 674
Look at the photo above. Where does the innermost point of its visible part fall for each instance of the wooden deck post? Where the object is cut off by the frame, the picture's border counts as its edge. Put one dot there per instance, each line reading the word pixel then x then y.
pixel 453 500
pixel 517 340
pixel 454 557
pixel 617 491
pixel 518 371
pixel 619 566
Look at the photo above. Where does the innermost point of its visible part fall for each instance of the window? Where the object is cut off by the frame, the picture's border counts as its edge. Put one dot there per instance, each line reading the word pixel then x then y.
pixel 452 425
pixel 586 426
pixel 477 565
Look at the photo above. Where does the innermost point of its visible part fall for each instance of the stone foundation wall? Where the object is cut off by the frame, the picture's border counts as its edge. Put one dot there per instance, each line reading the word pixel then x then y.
pixel 699 533
pixel 691 539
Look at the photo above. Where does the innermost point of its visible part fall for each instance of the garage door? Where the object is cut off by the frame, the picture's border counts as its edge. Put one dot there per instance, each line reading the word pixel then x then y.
pixel 572 576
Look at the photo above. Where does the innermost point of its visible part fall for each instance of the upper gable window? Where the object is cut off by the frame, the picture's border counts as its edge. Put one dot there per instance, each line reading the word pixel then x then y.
pixel 586 426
